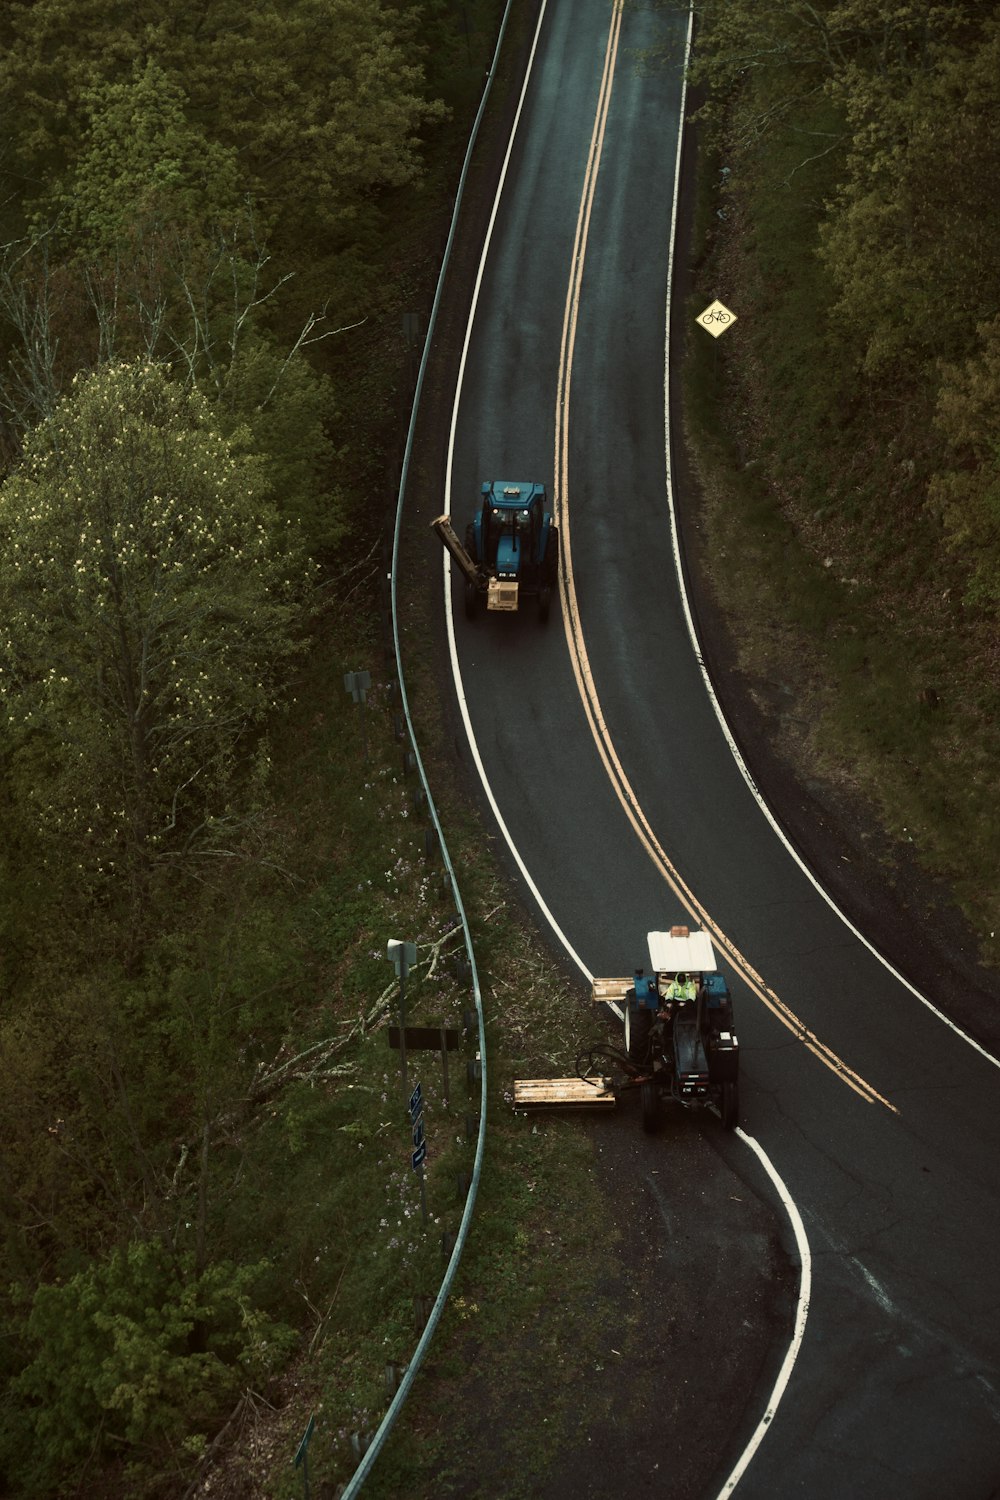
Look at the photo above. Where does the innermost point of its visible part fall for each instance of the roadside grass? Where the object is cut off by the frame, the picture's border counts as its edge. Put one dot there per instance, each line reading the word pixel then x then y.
pixel 527 1323
pixel 528 1318
pixel 847 610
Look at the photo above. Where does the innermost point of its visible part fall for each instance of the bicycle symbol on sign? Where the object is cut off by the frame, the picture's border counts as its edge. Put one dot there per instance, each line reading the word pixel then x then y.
pixel 716 319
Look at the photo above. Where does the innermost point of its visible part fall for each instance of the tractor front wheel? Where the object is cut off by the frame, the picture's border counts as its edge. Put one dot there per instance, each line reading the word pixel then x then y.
pixel 471 600
pixel 638 1025
pixel 550 562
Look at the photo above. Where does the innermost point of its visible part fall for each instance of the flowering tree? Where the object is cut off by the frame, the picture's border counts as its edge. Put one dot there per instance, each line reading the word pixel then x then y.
pixel 149 604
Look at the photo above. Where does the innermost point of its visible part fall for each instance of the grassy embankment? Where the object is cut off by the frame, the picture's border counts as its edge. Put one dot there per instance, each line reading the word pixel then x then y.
pixel 851 616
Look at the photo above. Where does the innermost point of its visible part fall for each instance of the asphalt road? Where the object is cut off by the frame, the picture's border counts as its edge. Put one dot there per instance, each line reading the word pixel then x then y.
pixel 896 1389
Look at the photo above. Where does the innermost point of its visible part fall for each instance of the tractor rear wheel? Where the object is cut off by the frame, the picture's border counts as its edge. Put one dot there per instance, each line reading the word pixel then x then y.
pixel 550 562
pixel 471 600
pixel 638 1025
pixel 650 1096
pixel 544 602
pixel 730 1105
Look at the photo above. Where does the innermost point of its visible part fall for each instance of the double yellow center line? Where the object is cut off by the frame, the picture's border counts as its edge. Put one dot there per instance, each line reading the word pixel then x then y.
pixel 574 632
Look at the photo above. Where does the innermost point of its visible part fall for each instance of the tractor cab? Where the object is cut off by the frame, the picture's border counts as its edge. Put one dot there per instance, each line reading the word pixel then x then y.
pixel 511 549
pixel 510 525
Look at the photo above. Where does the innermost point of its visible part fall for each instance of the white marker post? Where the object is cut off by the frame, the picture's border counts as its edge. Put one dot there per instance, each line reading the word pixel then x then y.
pixel 402 956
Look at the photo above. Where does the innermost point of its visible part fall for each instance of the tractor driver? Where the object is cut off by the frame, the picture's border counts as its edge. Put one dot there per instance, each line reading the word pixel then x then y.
pixel 679 989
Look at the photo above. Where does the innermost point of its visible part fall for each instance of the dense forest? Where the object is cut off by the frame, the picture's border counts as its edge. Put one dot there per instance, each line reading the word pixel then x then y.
pixel 847 148
pixel 211 226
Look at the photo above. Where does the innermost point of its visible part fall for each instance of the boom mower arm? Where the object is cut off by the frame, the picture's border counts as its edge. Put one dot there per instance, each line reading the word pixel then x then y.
pixel 449 540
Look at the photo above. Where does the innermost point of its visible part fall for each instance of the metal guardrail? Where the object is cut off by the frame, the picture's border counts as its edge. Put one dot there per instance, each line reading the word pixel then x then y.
pixel 388 1421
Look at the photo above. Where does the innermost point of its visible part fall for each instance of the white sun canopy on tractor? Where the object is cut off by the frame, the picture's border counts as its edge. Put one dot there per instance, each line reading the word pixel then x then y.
pixel 681 952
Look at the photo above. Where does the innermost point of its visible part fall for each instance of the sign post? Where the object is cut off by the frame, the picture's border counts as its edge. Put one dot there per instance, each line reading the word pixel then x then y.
pixel 357 684
pixel 715 320
pixel 419 1153
pixel 443 1039
pixel 402 955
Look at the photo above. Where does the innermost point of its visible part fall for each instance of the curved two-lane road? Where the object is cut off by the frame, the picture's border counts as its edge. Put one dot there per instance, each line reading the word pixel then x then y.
pixel 884 1129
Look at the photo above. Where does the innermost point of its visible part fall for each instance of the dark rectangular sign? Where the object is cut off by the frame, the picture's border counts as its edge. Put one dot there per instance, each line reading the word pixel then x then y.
pixel 425 1038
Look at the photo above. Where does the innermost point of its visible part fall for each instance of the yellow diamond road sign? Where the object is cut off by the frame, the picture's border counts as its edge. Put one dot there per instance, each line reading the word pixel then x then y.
pixel 716 319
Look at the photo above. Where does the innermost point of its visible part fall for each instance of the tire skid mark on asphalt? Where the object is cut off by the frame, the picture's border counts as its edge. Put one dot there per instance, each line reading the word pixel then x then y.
pixel 574 629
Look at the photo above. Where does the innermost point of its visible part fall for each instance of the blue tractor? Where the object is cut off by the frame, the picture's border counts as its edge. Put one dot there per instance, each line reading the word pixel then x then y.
pixel 511 549
pixel 680 1045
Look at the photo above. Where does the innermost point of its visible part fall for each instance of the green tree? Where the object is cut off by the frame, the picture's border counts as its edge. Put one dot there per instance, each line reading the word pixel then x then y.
pixel 322 99
pixel 161 293
pixel 151 605
pixel 287 407
pixel 141 169
pixel 912 242
pixel 135 1352
pixel 788 50
pixel 129 1098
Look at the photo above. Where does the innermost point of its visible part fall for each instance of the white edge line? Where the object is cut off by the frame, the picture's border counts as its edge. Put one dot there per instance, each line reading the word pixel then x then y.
pixel 446 560
pixel 481 769
pixel 801 1314
pixel 692 632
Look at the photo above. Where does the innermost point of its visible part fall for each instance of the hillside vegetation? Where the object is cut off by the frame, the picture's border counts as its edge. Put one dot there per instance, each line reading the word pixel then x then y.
pixel 851 448
pixel 214 221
